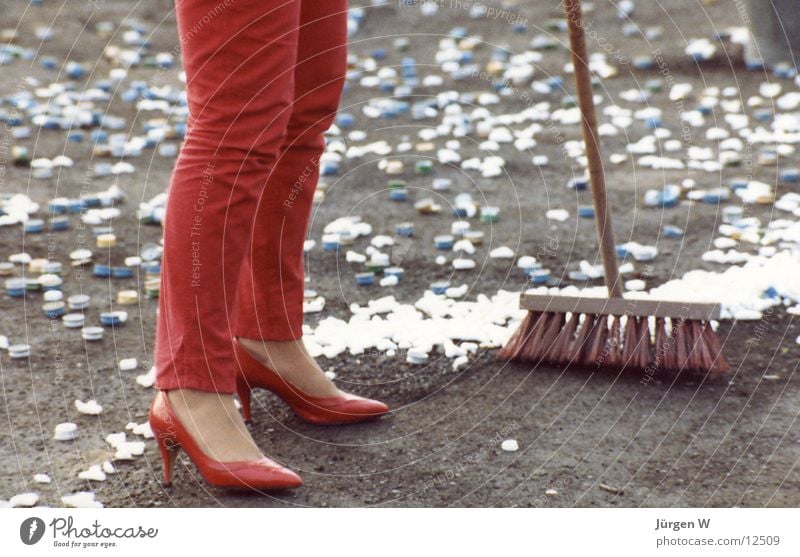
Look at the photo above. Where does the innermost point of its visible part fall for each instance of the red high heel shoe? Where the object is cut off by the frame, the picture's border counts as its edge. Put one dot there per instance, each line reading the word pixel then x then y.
pixel 171 436
pixel 345 409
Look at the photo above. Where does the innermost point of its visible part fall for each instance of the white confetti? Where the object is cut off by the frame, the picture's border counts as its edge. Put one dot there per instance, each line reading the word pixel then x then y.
pixel 90 408
pixel 24 500
pixel 94 473
pixel 510 445
pixel 82 499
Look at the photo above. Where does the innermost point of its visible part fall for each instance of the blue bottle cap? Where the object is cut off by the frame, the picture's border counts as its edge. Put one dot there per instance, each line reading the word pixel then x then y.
pixel 101 270
pixel 670 231
pixel 34 226
pixel 365 279
pixel 440 287
pixel 539 276
pixel 121 272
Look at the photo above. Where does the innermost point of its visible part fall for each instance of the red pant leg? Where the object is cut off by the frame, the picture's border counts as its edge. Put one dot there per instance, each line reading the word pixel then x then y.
pixel 239 57
pixel 271 285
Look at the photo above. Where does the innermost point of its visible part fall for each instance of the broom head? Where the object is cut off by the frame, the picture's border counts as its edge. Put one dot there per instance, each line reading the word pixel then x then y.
pixel 616 333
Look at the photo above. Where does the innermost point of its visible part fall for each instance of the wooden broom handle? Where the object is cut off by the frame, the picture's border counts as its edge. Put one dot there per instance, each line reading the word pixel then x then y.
pixel 583 82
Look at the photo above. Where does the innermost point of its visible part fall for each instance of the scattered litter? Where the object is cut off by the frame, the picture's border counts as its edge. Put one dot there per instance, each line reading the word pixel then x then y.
pixel 510 445
pixel 128 364
pixel 126 450
pixel 416 356
pixel 90 408
pixel 142 429
pixel 610 489
pixel 66 432
pixel 24 500
pixel 503 252
pixel 148 379
pixel 559 215
pixel 755 263
pixel 94 473
pixel 82 499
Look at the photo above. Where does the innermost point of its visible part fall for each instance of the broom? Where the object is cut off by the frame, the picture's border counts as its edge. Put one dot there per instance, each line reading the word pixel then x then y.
pixel 613 331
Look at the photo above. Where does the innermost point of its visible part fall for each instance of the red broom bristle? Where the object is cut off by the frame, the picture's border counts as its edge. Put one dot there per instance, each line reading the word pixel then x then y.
pixel 705 360
pixel 552 330
pixel 613 349
pixel 532 350
pixel 707 348
pixel 719 363
pixel 629 342
pixel 708 357
pixel 559 350
pixel 515 344
pixel 589 340
pixel 596 343
pixel 642 348
pixel 693 334
pixel 582 334
pixel 681 349
pixel 671 350
pixel 659 349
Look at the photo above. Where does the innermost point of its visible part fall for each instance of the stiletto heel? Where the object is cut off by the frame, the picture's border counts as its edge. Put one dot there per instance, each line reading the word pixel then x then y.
pixel 316 410
pixel 244 391
pixel 168 448
pixel 261 473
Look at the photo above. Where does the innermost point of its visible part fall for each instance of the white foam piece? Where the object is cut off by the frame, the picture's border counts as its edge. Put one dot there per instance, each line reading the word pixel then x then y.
pixel 592 271
pixel 381 241
pixel 769 90
pixel 128 364
pixel 314 305
pixel 66 431
pixel 24 500
pixel 462 264
pixel 94 473
pixel 502 252
pixel 82 499
pixel 128 449
pixel 355 257
pixel 557 214
pixel 636 285
pixel 510 445
pixel 116 439
pixel 456 291
pixel 90 408
pixel 460 362
pixel 433 320
pixel 725 243
pixel 464 245
pixel 143 429
pixel 148 379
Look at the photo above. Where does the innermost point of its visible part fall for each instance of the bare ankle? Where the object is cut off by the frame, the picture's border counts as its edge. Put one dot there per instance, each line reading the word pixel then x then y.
pixel 291 360
pixel 213 421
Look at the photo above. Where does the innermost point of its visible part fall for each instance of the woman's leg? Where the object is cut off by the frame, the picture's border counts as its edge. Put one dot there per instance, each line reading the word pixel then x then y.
pixel 270 302
pixel 239 66
pixel 239 58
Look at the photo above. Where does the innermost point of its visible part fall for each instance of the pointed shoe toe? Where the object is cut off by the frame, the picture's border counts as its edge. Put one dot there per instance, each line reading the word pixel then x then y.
pixel 258 474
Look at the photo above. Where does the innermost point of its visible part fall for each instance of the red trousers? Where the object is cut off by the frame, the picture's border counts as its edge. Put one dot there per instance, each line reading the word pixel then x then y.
pixel 263 81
